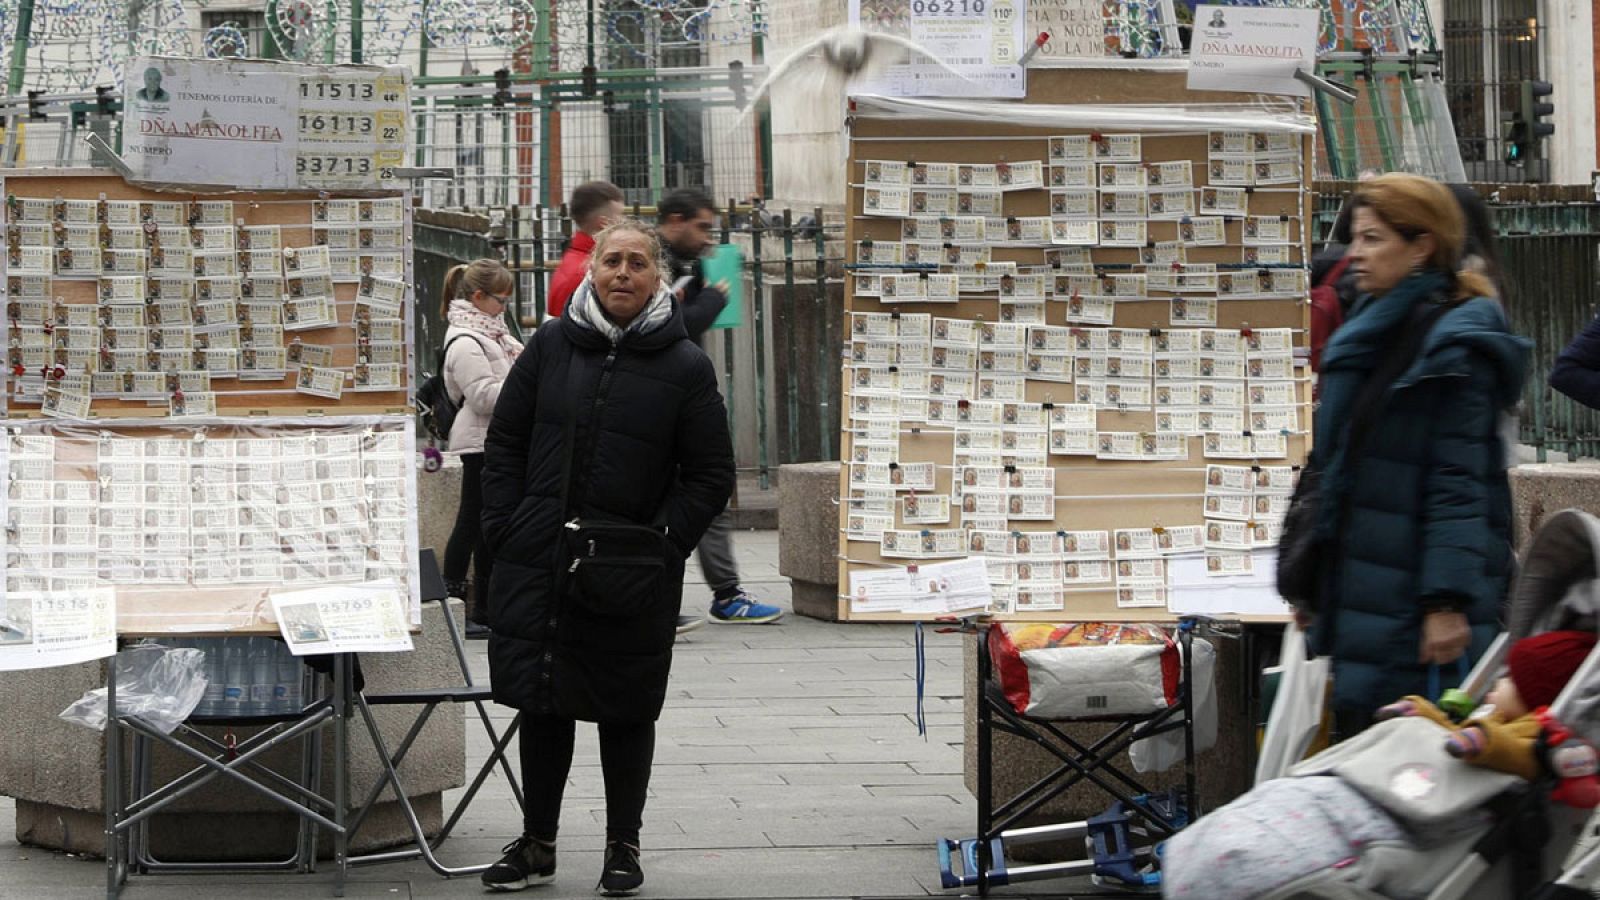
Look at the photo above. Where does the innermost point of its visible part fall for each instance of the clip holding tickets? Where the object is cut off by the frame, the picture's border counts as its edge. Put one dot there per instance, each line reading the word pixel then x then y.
pixel 1097 137
pixel 1157 529
pixel 1154 331
pixel 911 568
pixel 916 429
pixel 894 465
pixel 1245 433
pixel 1283 217
pixel 1256 469
pixel 1010 469
pixel 911 164
pixel 925 533
pixel 895 315
pixel 1245 330
pixel 963 403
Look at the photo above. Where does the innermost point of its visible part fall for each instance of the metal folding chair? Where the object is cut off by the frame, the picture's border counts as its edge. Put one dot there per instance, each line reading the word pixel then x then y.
pixel 1137 809
pixel 430 699
pixel 307 788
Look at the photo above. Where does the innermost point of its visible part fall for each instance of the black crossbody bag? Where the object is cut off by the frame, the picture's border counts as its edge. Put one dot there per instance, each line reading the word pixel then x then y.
pixel 1304 557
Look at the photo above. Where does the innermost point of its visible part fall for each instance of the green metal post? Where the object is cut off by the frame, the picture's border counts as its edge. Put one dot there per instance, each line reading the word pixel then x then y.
pixel 728 349
pixel 758 52
pixel 1327 118
pixel 356 12
pixel 19 47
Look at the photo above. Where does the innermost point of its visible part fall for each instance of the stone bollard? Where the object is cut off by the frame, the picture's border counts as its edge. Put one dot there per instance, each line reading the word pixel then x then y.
pixel 1540 490
pixel 808 536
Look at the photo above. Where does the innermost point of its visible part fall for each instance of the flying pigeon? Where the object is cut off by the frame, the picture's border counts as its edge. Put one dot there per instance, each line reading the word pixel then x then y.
pixel 841 55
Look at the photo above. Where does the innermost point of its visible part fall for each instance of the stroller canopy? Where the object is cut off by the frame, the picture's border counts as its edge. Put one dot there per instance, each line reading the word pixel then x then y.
pixel 1557 589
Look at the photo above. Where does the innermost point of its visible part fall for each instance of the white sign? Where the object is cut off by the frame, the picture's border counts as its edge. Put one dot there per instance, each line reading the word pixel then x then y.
pixel 981 39
pixel 248 124
pixel 365 618
pixel 1252 49
pixel 194 122
pixel 60 628
pixel 1076 27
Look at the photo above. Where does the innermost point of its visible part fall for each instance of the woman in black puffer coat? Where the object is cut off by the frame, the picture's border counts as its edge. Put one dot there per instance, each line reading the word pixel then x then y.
pixel 615 400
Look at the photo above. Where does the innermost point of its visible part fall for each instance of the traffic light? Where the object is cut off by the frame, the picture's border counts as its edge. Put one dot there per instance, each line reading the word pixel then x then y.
pixel 502 87
pixel 1533 108
pixel 1516 142
pixel 736 83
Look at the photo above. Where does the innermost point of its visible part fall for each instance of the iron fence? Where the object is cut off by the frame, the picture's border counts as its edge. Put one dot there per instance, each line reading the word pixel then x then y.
pixel 1549 248
pixel 779 370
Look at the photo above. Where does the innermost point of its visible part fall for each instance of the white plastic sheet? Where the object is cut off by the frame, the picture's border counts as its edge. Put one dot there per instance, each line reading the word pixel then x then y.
pixel 1267 115
pixel 1297 708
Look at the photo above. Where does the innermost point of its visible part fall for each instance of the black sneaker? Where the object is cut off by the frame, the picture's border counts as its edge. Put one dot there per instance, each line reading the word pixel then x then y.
pixel 477 632
pixel 621 876
pixel 527 862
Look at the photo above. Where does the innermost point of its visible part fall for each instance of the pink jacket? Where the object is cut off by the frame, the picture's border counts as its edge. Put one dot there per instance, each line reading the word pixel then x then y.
pixel 474 369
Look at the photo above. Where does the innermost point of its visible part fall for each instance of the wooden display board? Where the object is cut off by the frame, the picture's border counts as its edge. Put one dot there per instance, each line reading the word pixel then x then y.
pixel 1090 493
pixel 199 434
pixel 371 360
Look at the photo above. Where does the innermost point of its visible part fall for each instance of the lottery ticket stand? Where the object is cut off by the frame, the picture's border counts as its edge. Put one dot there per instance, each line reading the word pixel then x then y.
pixel 1076 382
pixel 208 407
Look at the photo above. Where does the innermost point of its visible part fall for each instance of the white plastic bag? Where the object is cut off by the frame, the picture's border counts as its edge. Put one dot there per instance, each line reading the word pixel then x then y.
pixel 159 685
pixel 1296 709
pixel 1165 750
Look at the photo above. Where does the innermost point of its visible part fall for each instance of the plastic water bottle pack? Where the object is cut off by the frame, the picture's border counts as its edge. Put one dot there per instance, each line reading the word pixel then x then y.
pixel 252 676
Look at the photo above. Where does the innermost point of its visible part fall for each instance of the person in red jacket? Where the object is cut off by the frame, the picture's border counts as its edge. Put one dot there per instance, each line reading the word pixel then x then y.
pixel 595 204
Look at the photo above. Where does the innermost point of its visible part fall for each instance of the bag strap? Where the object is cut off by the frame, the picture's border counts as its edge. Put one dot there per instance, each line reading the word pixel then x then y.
pixel 1398 356
pixel 570 437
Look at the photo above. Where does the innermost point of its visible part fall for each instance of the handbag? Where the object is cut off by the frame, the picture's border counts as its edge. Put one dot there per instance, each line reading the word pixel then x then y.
pixel 1304 555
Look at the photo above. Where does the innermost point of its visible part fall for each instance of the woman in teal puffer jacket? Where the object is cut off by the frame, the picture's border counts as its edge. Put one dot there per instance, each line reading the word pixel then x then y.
pixel 1419 516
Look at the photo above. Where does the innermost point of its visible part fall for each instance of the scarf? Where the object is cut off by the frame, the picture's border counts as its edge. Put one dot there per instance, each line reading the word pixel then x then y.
pixel 464 315
pixel 585 310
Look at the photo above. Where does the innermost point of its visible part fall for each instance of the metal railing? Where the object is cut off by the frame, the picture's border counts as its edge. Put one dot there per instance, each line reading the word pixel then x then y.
pixel 779 370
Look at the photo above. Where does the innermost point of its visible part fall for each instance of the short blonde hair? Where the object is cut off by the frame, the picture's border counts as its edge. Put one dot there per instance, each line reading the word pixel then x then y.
pixel 652 242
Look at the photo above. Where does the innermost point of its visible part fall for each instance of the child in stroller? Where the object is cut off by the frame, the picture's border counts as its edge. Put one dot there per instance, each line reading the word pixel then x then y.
pixel 1288 830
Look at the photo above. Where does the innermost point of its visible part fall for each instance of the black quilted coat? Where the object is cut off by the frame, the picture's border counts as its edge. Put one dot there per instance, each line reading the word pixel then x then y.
pixel 652 448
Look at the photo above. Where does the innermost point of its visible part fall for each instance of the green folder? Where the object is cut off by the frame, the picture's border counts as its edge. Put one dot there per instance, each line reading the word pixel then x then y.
pixel 726 263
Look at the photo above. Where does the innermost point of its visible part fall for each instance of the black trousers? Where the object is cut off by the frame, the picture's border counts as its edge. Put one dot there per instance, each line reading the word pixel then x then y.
pixel 626 751
pixel 466 539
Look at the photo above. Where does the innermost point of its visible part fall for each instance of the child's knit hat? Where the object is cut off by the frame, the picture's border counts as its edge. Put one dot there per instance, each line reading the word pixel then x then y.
pixel 1541 665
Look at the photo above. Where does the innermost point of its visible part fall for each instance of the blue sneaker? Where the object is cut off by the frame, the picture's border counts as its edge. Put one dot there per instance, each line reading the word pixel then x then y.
pixel 742 609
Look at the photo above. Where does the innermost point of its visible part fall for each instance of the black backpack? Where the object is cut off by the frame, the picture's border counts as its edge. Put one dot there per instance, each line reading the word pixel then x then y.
pixel 438 408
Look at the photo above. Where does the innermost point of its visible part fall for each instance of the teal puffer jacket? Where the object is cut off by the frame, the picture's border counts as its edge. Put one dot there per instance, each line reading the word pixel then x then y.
pixel 1422 518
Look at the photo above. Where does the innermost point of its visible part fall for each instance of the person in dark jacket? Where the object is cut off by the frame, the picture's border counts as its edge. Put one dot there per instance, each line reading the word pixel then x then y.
pixel 1419 516
pixel 1576 372
pixel 611 414
pixel 686 221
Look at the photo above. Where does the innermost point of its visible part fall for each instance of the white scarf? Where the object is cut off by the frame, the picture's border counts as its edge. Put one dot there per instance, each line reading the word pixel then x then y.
pixel 586 311
pixel 464 315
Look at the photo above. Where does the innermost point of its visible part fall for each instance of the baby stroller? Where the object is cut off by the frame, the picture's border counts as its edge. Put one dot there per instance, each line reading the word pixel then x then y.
pixel 1515 842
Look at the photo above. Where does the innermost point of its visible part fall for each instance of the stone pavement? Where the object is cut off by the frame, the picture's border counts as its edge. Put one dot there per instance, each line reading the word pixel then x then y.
pixel 788 765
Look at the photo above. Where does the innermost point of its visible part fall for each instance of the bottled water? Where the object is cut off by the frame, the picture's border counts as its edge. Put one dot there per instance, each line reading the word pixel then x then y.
pixel 236 675
pixel 263 676
pixel 287 692
pixel 212 701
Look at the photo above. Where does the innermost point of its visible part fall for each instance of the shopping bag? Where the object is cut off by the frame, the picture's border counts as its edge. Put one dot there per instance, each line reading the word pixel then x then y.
pixel 1296 710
